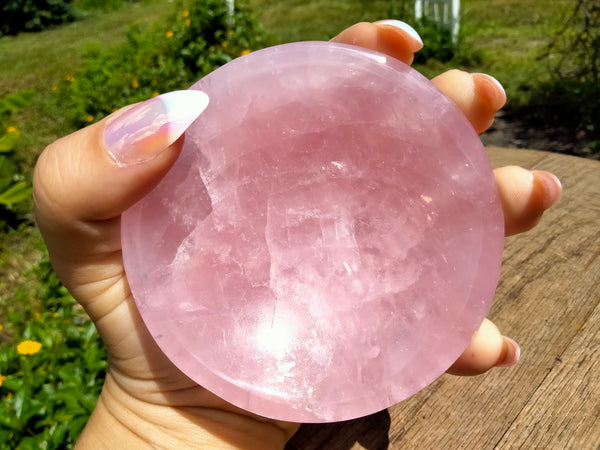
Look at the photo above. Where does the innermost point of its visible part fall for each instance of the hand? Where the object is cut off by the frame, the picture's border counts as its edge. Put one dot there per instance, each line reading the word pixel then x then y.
pixel 84 182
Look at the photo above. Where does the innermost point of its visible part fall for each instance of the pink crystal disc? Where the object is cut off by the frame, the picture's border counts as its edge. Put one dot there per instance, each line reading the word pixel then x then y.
pixel 328 241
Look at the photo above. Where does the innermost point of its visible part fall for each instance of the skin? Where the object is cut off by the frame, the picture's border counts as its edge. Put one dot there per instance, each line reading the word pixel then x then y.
pixel 79 195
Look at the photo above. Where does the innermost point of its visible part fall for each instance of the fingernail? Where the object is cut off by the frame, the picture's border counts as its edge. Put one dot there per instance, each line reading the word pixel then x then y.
pixel 492 79
pixel 551 185
pixel 512 353
pixel 142 132
pixel 404 27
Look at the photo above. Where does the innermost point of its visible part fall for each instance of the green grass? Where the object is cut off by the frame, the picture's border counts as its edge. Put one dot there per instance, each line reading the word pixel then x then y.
pixel 40 61
pixel 300 20
pixel 508 37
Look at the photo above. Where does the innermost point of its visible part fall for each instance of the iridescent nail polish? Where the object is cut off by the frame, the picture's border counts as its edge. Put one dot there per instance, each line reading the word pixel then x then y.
pixel 148 128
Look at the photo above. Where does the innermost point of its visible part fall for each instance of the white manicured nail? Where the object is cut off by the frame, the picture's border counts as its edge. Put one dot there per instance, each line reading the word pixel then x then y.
pixel 403 26
pixel 493 79
pixel 142 132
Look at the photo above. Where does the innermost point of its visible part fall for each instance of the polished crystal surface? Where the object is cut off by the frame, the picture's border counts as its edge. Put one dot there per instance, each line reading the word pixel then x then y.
pixel 328 241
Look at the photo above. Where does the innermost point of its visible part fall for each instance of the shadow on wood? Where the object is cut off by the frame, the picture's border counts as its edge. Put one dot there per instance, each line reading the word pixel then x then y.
pixel 371 432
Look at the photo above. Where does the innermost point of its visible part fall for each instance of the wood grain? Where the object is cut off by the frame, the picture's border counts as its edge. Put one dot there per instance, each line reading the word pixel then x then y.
pixel 548 299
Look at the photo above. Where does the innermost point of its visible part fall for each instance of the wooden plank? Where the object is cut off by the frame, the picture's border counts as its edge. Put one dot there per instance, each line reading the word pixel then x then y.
pixel 515 157
pixel 566 406
pixel 548 300
pixel 564 412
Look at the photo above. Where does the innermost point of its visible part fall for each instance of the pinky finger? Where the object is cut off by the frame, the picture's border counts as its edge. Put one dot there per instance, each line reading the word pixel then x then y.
pixel 487 349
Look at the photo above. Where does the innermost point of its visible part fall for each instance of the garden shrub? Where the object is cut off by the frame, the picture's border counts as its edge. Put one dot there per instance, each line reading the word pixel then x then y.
pixel 574 53
pixel 13 186
pixel 199 37
pixel 438 42
pixel 52 367
pixel 571 97
pixel 33 15
pixel 52 362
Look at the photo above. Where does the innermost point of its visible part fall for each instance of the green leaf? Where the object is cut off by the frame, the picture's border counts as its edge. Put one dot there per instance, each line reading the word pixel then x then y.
pixel 58 433
pixel 32 407
pixel 14 102
pixel 19 402
pixel 6 435
pixel 16 193
pixel 7 169
pixel 13 383
pixel 8 420
pixel 30 443
pixel 9 141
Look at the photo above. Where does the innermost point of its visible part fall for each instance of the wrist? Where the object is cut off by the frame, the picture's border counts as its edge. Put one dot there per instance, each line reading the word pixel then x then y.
pixel 121 420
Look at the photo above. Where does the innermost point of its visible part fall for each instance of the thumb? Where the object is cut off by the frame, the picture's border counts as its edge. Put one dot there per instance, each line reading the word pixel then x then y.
pixel 98 172
pixel 82 184
pixel 91 176
pixel 84 181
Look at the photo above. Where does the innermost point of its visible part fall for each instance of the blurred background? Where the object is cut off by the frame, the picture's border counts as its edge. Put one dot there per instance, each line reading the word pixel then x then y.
pixel 65 64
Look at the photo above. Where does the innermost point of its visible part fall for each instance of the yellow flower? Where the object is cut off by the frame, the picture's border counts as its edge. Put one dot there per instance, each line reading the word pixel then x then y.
pixel 11 130
pixel 224 44
pixel 245 52
pixel 69 78
pixel 54 87
pixel 36 314
pixel 89 118
pixel 230 32
pixel 1 327
pixel 155 94
pixel 28 347
pixel 169 34
pixel 187 22
pixel 186 13
pixel 135 84
pixel 2 378
pixel 55 315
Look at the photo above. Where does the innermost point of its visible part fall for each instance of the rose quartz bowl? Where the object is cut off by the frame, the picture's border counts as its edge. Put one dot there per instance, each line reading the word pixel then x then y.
pixel 328 241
